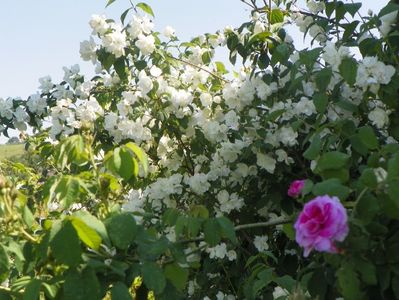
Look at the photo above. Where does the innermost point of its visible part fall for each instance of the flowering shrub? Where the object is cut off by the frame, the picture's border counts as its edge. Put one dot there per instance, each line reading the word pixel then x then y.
pixel 165 175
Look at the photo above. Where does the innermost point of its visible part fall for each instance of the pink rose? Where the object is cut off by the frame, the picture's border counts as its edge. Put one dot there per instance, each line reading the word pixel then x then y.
pixel 322 221
pixel 296 187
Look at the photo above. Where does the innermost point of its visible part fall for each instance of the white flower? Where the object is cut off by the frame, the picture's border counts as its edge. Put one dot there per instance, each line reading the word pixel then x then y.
pixel 219 251
pixel 206 99
pixel 169 32
pixel 304 106
pixel 198 183
pixel 99 24
pixel 45 84
pixel 36 104
pixel 266 162
pixel 146 44
pixel 260 243
pixel 115 42
pixel 379 117
pixel 88 50
pixel 287 136
pixel 279 292
pixel 259 27
pixel 145 82
pixel 380 174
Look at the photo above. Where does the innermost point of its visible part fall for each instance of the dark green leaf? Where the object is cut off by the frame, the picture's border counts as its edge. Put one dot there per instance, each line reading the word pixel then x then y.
pixel 333 160
pixel 65 244
pixel 368 137
pixel 177 275
pixel 349 283
pixel 331 187
pixel 366 208
pixel 120 291
pixel 122 230
pixel 32 290
pixel 320 101
pixel 227 229
pixel 212 232
pixel 323 78
pixel 153 277
pixel 81 286
pixel 314 149
pixel 348 70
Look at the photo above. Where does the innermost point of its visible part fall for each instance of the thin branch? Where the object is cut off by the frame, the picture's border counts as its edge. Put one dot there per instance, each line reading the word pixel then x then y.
pixel 278 221
pixel 198 67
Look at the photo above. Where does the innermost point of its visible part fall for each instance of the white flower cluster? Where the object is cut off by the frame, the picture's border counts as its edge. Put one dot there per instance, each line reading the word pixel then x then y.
pixel 371 73
pixel 220 251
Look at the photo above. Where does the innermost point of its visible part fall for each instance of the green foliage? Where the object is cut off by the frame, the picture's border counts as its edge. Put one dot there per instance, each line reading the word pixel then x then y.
pixel 169 176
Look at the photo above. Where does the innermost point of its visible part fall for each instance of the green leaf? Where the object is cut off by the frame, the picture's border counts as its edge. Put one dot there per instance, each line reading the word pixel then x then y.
pixel 65 244
pixel 366 269
pixel 333 160
pixel 323 78
pixel 94 223
pixel 280 54
pixel 81 286
pixel 122 230
pixel 314 149
pixel 352 8
pixel 320 101
pixel 122 162
pixel 367 208
pixel 212 232
pixel 153 277
pixel 286 282
pixel 331 187
pixel 71 150
pixel 349 283
pixel 120 68
pixel 276 16
pixel 146 8
pixel 368 137
pixel 86 234
pixel 348 70
pixel 67 190
pixel 199 211
pixel 140 154
pixel 368 178
pixel 32 290
pixel 110 2
pixel 227 229
pixel 317 284
pixel 120 291
pixel 124 14
pixel 177 275
pixel 170 216
pixel 4 264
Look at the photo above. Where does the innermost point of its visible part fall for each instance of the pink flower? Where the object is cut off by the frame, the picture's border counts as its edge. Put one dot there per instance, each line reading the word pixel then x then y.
pixel 322 221
pixel 296 187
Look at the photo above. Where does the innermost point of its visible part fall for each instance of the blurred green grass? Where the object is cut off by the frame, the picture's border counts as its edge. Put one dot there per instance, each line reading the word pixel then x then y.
pixel 11 151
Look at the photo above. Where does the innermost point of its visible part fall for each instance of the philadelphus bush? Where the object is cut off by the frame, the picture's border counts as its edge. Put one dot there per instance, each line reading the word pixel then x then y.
pixel 169 176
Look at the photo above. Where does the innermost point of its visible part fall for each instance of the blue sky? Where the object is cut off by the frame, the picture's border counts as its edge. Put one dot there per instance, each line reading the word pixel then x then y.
pixel 39 37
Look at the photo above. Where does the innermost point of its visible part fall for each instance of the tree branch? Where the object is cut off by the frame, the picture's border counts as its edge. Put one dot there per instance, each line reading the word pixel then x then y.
pixel 278 221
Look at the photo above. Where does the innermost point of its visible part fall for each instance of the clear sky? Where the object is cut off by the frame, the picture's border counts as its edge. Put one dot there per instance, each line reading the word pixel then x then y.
pixel 39 37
